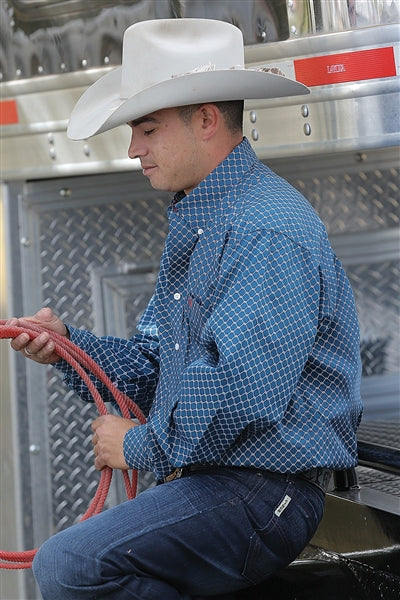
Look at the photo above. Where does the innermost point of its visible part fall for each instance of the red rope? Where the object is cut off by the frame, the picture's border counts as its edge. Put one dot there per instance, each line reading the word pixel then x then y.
pixel 82 364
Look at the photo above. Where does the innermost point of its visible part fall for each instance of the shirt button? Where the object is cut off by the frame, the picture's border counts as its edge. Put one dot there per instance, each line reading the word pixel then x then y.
pixel 176 346
pixel 177 296
pixel 200 231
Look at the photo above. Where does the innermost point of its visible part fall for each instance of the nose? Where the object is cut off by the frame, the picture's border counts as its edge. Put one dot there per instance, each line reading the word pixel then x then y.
pixel 136 149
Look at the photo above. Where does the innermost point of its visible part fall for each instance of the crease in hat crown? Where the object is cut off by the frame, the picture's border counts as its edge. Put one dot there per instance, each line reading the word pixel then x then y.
pixel 170 63
pixel 168 48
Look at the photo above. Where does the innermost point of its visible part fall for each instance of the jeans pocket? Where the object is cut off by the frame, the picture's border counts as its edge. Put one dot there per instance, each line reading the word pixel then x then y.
pixel 276 542
pixel 266 553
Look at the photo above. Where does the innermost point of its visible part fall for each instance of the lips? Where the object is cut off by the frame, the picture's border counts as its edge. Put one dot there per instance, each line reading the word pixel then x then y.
pixel 147 169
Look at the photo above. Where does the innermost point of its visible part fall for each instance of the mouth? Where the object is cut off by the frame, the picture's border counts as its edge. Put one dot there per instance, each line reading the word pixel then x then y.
pixel 147 170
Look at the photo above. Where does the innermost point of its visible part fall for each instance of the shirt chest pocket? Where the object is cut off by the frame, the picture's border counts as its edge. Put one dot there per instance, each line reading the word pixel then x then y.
pixel 200 300
pixel 197 312
pixel 202 281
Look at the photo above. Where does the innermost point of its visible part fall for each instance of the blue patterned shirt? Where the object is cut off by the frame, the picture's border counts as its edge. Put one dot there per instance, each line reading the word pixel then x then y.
pixel 248 352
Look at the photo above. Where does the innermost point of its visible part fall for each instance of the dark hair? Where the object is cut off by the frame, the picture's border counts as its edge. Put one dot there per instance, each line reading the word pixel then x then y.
pixel 232 111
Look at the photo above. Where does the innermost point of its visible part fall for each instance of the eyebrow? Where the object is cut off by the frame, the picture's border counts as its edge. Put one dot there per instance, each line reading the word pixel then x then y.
pixel 137 122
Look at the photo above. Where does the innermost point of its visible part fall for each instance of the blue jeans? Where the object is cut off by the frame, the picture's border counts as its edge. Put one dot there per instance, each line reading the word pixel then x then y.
pixel 207 534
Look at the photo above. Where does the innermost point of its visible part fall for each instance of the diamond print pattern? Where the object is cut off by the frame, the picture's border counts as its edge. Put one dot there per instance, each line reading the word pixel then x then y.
pixel 256 358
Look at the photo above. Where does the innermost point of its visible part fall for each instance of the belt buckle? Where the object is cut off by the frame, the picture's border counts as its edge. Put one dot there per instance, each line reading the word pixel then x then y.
pixel 176 474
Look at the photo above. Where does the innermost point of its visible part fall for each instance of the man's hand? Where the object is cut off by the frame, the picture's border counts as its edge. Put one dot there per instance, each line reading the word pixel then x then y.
pixel 41 349
pixel 108 440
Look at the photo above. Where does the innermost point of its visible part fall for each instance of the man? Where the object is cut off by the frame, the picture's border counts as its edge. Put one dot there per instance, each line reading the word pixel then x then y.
pixel 247 362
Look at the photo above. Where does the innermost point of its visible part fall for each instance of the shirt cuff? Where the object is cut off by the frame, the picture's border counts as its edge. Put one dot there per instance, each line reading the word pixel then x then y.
pixel 135 448
pixel 82 339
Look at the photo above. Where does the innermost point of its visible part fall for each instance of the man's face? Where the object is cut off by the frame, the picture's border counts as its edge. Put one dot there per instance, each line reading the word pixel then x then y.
pixel 168 149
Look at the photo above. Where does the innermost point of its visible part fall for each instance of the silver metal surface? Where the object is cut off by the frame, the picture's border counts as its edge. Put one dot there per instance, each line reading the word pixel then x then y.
pixel 384 482
pixel 46 37
pixel 42 37
pixel 11 583
pixel 340 118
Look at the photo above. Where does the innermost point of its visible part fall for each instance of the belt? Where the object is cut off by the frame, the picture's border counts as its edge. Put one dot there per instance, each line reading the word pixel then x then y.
pixel 318 476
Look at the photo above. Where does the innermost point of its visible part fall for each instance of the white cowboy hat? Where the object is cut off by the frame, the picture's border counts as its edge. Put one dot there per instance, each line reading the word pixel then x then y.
pixel 169 63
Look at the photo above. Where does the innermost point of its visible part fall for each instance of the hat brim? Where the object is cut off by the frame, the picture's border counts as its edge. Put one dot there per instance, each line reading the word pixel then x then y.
pixel 101 108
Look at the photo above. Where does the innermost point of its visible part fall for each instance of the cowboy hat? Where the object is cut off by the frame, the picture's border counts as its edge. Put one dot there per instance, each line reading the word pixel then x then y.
pixel 169 63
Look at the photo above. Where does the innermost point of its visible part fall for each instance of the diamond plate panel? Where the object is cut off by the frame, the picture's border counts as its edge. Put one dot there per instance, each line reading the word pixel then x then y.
pixel 354 201
pixel 377 292
pixel 75 241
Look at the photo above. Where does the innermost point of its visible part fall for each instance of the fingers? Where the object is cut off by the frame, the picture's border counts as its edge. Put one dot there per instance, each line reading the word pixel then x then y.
pixel 108 437
pixel 39 349
pixel 45 318
pixel 42 348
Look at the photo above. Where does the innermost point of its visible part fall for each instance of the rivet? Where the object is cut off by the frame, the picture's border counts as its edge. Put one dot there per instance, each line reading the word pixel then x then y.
pixel 40 69
pixel 293 30
pixel 18 72
pixel 65 192
pixel 84 63
pixel 86 150
pixel 63 66
pixel 106 60
pixel 50 138
pixel 52 153
pixel 254 134
pixel 34 449
pixel 307 129
pixel 25 242
pixel 253 116
pixel 290 4
pixel 305 110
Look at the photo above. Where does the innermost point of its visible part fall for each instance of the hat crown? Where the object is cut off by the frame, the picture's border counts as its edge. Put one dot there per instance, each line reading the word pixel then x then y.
pixel 155 51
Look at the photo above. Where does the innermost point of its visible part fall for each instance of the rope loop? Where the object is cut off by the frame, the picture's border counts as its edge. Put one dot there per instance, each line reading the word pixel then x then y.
pixel 83 365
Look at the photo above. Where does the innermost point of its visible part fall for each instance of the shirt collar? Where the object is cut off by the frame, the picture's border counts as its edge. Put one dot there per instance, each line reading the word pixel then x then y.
pixel 199 206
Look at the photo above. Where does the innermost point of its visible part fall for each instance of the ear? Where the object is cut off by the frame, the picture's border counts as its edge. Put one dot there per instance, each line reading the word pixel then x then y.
pixel 210 120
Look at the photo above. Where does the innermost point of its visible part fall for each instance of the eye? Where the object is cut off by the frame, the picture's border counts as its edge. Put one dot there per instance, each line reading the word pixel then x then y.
pixel 149 131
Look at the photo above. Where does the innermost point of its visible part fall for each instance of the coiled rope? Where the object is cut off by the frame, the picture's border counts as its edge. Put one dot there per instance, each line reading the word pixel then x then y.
pixel 83 365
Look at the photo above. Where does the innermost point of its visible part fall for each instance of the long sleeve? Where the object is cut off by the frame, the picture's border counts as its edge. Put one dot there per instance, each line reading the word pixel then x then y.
pixel 132 365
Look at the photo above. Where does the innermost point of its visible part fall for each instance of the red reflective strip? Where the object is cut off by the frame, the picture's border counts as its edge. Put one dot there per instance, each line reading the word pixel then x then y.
pixel 8 112
pixel 348 66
